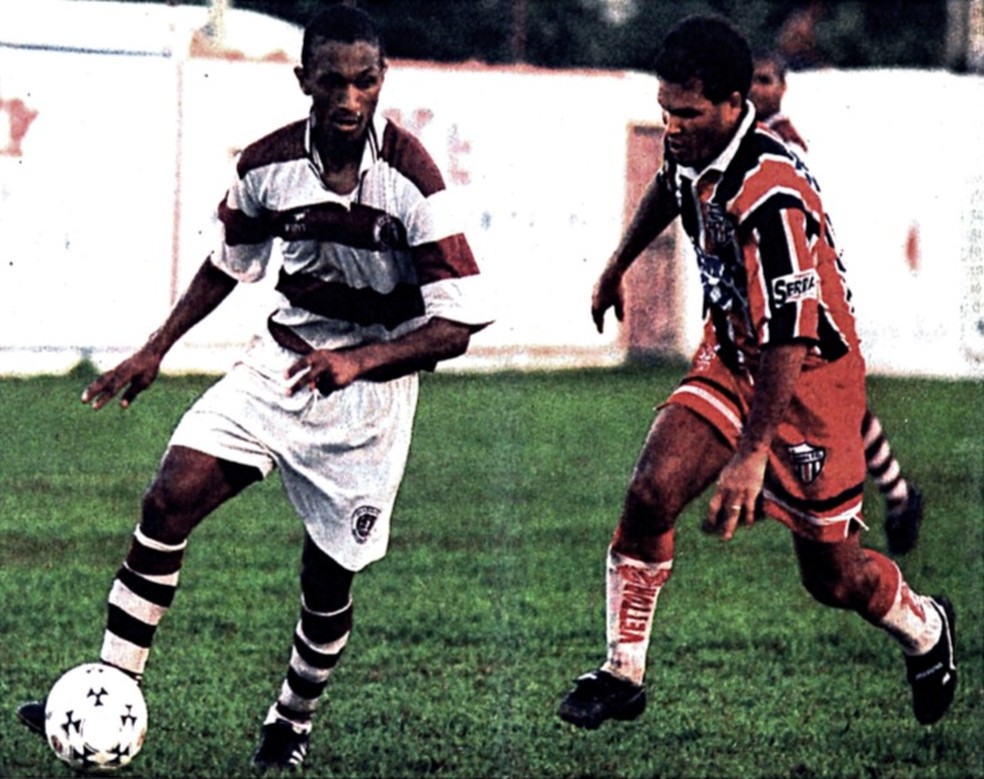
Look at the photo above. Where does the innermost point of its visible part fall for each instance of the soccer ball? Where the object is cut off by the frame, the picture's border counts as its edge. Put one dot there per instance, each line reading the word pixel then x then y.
pixel 95 718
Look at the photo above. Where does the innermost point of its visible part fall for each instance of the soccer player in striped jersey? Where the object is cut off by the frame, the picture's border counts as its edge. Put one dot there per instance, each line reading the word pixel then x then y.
pixel 770 412
pixel 903 499
pixel 377 283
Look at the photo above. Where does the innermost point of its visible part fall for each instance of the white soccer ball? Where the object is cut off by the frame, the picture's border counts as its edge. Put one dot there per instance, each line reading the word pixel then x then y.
pixel 95 718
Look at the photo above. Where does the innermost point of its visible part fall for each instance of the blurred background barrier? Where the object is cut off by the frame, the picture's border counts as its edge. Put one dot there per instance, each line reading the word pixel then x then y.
pixel 120 124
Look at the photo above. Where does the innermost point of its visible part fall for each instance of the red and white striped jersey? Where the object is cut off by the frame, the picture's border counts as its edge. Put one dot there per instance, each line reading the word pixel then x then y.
pixel 765 248
pixel 782 126
pixel 387 257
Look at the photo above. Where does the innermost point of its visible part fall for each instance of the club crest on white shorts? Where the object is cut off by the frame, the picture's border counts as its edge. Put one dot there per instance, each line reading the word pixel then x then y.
pixel 363 521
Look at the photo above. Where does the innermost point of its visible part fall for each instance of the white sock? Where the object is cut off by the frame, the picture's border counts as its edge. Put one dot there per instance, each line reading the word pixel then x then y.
pixel 633 589
pixel 913 621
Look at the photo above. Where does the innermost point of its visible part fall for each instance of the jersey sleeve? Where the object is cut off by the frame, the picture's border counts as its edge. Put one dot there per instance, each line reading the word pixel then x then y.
pixel 450 282
pixel 247 239
pixel 781 259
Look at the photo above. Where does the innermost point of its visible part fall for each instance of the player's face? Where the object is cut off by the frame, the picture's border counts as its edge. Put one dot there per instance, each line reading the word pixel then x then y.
pixel 343 81
pixel 767 89
pixel 697 130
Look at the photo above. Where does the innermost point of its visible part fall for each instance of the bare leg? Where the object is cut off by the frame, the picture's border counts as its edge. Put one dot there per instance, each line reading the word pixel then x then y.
pixel 189 486
pixel 846 575
pixel 681 458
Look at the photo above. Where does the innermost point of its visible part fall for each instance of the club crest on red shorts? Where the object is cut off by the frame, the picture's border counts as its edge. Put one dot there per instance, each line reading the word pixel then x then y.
pixel 808 460
pixel 363 521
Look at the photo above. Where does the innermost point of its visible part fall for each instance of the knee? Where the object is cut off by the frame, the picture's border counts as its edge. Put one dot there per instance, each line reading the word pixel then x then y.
pixel 646 523
pixel 161 517
pixel 841 591
pixel 648 508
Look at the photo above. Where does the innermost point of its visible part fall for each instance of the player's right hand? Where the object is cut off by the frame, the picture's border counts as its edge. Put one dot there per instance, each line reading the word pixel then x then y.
pixel 607 294
pixel 136 373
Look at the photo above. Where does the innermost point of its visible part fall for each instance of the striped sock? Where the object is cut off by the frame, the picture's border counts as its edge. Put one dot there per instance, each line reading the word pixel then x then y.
pixel 319 640
pixel 141 594
pixel 882 465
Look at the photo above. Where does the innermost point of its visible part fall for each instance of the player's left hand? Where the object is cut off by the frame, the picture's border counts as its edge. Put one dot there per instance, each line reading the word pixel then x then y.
pixel 736 495
pixel 324 370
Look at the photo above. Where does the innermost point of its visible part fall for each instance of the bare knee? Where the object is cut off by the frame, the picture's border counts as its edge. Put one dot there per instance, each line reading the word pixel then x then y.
pixel 826 590
pixel 649 513
pixel 649 507
pixel 681 457
pixel 162 517
pixel 189 486
pixel 836 575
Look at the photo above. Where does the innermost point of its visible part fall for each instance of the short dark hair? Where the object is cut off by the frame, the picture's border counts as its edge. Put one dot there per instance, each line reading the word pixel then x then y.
pixel 710 48
pixel 775 58
pixel 342 24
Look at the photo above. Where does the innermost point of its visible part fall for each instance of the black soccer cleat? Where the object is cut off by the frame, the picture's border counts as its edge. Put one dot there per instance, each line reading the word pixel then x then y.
pixel 902 522
pixel 31 714
pixel 598 696
pixel 933 676
pixel 280 748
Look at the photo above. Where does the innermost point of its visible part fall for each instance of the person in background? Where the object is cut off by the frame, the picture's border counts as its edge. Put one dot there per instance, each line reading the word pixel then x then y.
pixel 903 499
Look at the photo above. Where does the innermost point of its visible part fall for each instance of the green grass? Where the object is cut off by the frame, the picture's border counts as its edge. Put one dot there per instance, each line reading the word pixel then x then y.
pixel 491 598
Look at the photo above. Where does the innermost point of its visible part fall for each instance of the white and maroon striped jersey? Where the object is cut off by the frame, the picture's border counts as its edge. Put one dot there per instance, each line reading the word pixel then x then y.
pixel 765 248
pixel 358 268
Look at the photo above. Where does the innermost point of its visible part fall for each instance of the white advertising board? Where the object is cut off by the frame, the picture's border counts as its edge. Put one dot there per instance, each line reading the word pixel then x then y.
pixel 114 159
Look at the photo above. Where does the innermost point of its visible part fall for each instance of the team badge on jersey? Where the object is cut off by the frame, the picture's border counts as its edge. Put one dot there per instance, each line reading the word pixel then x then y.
pixel 363 521
pixel 718 224
pixel 721 287
pixel 808 460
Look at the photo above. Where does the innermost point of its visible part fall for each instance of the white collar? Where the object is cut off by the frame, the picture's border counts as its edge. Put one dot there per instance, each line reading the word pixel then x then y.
pixel 721 162
pixel 370 152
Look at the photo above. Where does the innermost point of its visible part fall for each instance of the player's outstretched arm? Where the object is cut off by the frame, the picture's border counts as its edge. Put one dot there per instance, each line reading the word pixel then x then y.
pixel 207 290
pixel 656 210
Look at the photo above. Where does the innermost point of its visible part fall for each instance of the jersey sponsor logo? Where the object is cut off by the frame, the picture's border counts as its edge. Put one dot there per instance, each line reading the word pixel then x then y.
pixel 363 521
pixel 794 287
pixel 808 460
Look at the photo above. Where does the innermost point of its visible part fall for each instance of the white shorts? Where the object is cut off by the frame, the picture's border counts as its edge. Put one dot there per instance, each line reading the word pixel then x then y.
pixel 341 456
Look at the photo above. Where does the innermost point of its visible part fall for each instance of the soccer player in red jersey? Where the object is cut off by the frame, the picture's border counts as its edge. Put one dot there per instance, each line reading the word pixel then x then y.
pixel 377 283
pixel 770 413
pixel 903 498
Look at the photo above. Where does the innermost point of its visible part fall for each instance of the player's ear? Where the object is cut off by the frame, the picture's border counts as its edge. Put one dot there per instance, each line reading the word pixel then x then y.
pixel 302 79
pixel 734 104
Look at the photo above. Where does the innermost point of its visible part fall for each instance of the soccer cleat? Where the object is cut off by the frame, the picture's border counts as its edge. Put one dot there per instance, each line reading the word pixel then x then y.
pixel 32 715
pixel 280 747
pixel 598 695
pixel 902 522
pixel 933 676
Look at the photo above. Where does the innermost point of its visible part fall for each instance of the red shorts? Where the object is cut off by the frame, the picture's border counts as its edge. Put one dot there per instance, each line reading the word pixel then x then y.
pixel 814 481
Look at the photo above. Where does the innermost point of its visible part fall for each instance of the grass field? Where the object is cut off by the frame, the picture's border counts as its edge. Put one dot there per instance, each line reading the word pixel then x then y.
pixel 491 599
